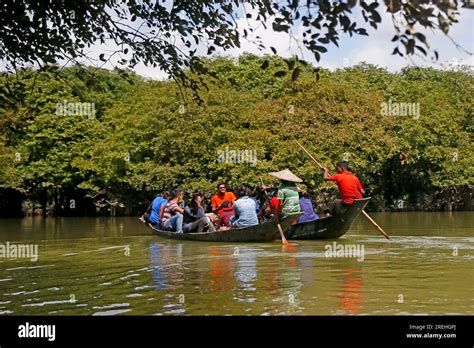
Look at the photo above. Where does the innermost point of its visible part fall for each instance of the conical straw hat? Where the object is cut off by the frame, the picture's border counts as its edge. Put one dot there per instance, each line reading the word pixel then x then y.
pixel 286 175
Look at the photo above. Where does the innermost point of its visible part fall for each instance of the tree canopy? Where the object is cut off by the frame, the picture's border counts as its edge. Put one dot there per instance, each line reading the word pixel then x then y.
pixel 166 34
pixel 142 139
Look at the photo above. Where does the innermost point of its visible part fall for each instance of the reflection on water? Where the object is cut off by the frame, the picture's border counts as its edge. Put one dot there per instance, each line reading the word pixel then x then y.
pixel 221 270
pixel 351 291
pixel 158 278
pixel 84 268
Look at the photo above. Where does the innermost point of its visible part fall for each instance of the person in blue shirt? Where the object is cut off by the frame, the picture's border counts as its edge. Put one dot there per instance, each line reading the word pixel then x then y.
pixel 155 210
pixel 307 208
pixel 244 209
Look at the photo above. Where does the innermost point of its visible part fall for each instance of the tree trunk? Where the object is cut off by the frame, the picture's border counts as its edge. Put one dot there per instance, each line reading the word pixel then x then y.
pixel 448 200
pixel 467 199
pixel 56 210
pixel 44 202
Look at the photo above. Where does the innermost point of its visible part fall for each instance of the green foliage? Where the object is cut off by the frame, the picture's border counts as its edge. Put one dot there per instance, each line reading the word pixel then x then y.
pixel 144 138
pixel 167 35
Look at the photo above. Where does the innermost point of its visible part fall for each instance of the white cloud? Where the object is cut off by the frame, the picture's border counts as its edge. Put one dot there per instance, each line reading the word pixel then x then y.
pixel 375 49
pixel 378 47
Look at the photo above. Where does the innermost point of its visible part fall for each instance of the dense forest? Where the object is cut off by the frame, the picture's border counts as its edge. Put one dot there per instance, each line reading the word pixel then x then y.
pixel 91 141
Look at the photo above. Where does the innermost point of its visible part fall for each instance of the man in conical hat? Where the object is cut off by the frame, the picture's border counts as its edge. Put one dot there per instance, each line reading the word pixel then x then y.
pixel 288 197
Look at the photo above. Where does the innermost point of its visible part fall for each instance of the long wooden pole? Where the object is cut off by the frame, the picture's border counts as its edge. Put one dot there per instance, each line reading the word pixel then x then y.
pixel 282 234
pixel 363 211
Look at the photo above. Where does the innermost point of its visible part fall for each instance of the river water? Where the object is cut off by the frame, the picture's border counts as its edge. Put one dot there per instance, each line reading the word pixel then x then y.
pixel 115 266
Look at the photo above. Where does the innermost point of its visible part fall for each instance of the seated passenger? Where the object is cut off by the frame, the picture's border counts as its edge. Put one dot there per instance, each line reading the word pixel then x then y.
pixel 195 219
pixel 172 219
pixel 307 208
pixel 244 209
pixel 263 208
pixel 155 210
pixel 222 205
pixel 253 196
pixel 274 203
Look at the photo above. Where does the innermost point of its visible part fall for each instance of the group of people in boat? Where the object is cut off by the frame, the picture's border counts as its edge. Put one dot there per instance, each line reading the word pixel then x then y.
pixel 247 207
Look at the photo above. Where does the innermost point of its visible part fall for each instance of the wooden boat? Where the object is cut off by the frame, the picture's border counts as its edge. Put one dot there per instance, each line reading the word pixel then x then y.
pixel 265 232
pixel 329 227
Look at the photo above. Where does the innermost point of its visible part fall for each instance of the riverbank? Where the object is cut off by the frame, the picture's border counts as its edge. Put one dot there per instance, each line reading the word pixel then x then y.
pixel 86 206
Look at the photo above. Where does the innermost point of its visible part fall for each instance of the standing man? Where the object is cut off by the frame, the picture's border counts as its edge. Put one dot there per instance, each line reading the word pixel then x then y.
pixel 349 186
pixel 288 197
pixel 222 205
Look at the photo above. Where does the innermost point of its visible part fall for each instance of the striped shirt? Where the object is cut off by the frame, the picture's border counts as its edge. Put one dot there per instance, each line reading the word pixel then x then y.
pixel 169 211
pixel 288 194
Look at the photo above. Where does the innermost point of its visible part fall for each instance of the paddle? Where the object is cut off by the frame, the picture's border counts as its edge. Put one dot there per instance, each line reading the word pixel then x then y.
pixel 283 239
pixel 363 211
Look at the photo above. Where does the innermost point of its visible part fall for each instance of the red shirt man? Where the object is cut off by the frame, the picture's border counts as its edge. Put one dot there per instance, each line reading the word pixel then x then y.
pixel 349 185
pixel 222 205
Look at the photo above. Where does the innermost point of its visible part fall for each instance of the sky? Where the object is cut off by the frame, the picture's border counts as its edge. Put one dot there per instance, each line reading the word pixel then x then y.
pixel 374 49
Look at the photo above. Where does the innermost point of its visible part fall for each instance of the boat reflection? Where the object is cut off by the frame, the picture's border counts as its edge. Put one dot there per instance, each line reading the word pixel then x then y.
pixel 350 297
pixel 246 267
pixel 221 270
pixel 155 265
pixel 166 264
